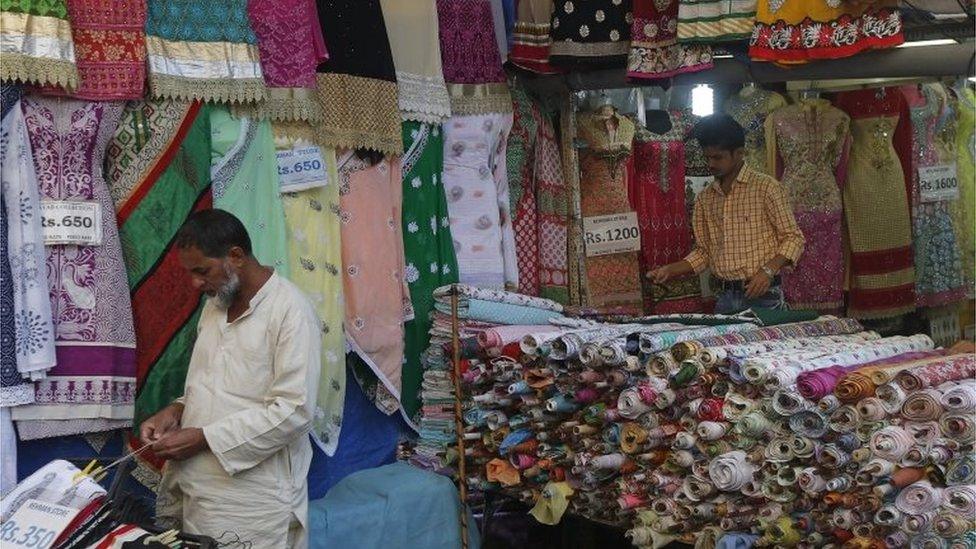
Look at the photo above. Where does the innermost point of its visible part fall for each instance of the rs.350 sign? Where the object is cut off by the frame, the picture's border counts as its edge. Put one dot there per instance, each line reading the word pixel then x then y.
pixel 611 234
pixel 71 222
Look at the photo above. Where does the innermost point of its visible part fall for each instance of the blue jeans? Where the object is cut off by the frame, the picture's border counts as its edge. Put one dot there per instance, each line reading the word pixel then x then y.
pixel 734 301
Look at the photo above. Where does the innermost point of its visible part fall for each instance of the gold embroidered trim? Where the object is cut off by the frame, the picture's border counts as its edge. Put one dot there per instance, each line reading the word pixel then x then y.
pixel 359 113
pixel 284 104
pixel 468 99
pixel 35 70
pixel 287 133
pixel 220 90
pixel 597 49
pixel 180 50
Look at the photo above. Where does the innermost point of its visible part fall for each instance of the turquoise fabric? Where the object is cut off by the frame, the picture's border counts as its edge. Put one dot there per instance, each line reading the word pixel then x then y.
pixel 396 506
pixel 499 313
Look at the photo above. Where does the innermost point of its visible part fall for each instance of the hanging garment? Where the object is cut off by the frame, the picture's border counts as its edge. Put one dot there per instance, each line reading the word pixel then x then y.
pixel 36 46
pixel 965 154
pixel 14 389
pixel 110 46
pixel 427 244
pixel 654 48
pixel 245 183
pixel 157 168
pixel 531 38
pixel 30 352
pixel 415 43
pixel 612 281
pixel 521 182
pixel 552 205
pixel 476 183
pixel 876 207
pixel 750 108
pixel 810 141
pixel 96 369
pixel 709 21
pixel 291 46
pixel 938 265
pixel 357 89
pixel 657 193
pixel 315 264
pixel 376 295
pixel 203 50
pixel 590 34
pixel 471 60
pixel 797 31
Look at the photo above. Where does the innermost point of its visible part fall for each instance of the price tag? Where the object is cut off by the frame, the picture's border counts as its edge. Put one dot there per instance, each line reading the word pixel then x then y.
pixel 697 183
pixel 71 222
pixel 36 525
pixel 938 183
pixel 301 168
pixel 611 234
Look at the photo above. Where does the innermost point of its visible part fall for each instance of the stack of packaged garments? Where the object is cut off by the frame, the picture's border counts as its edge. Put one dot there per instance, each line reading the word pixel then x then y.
pixel 803 434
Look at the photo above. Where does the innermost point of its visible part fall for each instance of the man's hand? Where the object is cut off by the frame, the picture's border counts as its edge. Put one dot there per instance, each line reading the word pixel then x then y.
pixel 758 285
pixel 166 420
pixel 181 444
pixel 661 274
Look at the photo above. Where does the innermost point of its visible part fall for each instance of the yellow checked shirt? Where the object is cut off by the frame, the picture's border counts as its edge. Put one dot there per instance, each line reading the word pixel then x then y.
pixel 736 234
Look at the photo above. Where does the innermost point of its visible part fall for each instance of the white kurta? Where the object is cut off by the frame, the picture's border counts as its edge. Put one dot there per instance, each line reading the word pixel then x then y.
pixel 251 387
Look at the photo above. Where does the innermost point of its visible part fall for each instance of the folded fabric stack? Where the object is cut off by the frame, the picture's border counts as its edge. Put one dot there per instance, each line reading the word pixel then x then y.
pixel 806 434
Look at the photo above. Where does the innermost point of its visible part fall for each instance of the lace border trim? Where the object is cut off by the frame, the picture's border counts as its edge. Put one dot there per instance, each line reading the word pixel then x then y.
pixel 468 99
pixel 219 90
pixel 284 105
pixel 359 113
pixel 34 70
pixel 423 98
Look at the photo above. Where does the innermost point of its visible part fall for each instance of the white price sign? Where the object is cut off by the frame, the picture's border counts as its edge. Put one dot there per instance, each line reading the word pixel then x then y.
pixel 71 222
pixel 938 183
pixel 36 525
pixel 301 168
pixel 697 183
pixel 611 234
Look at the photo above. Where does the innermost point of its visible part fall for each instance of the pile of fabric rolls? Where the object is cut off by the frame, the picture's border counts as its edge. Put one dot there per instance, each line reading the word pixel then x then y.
pixel 804 434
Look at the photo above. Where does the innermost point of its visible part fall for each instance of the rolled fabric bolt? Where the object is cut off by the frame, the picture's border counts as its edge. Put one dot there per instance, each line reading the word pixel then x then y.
pixel 631 501
pixel 810 481
pixel 630 405
pixel 787 402
pixel 949 525
pixel 704 512
pixel 683 458
pixel 936 371
pixel 520 388
pixel 816 384
pixel 591 376
pixel 845 419
pixel 809 423
pixel 889 515
pixel 697 489
pixel 923 433
pixel 922 405
pixel 873 471
pixel 780 450
pixel 918 498
pixel 787 476
pixel 828 404
pixel 562 403
pixel 960 500
pixel 917 455
pixel 960 397
pixel 891 443
pixel 958 427
pixel 664 506
pixel 610 461
pixel 854 386
pixel 832 457
pixel 712 430
pixel 496 419
pixel 916 523
pixel 847 442
pixel 839 484
pixel 684 441
pixel 871 409
pixel 896 539
pixel 586 396
pixel 892 397
pixel 736 406
pixel 731 471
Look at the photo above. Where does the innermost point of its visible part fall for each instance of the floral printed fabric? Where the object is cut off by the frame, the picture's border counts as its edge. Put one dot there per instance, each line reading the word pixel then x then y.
pixel 427 244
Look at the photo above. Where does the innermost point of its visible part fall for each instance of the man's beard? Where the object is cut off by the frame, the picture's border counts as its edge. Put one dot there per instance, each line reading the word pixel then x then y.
pixel 225 294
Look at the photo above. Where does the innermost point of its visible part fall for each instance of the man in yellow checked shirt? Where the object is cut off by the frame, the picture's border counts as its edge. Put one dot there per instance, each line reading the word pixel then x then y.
pixel 743 225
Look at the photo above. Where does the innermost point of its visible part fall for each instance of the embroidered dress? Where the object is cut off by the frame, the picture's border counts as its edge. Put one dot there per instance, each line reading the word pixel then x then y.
pixel 110 46
pixel 428 247
pixel 471 60
pixel 31 351
pixel 357 89
pixel 938 266
pixel 811 140
pixel 876 207
pixel 158 171
pixel 476 183
pixel 965 155
pixel 36 46
pixel 244 171
pixel 521 182
pixel 203 50
pixel 709 21
pixel 750 108
pixel 94 378
pixel 415 41
pixel 612 281
pixel 657 193
pixel 654 48
pixel 531 38
pixel 590 34
pixel 315 262
pixel 797 31
pixel 14 389
pixel 552 206
pixel 376 295
pixel 291 46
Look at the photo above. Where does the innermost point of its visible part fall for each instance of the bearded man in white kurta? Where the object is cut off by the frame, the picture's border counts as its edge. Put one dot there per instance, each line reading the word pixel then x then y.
pixel 237 440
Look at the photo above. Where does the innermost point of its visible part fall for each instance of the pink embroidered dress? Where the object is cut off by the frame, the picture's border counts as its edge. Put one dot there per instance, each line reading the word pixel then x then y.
pixel 654 48
pixel 470 57
pixel 92 387
pixel 808 143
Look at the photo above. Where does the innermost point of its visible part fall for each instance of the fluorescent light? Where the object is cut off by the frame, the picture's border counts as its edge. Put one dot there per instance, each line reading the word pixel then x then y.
pixel 936 42
pixel 722 56
pixel 702 100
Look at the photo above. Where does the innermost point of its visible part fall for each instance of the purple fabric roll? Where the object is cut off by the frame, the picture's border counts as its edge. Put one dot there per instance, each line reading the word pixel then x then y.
pixel 817 384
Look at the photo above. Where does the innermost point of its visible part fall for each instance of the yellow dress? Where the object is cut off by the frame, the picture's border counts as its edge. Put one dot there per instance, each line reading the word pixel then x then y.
pixel 965 214
pixel 315 260
pixel 784 29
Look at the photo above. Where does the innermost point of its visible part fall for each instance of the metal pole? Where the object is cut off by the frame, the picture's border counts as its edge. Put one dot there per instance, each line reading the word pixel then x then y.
pixel 458 418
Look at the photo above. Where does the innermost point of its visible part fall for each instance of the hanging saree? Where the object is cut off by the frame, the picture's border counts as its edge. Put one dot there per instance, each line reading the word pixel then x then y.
pixel 35 43
pixel 428 247
pixel 245 183
pixel 315 263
